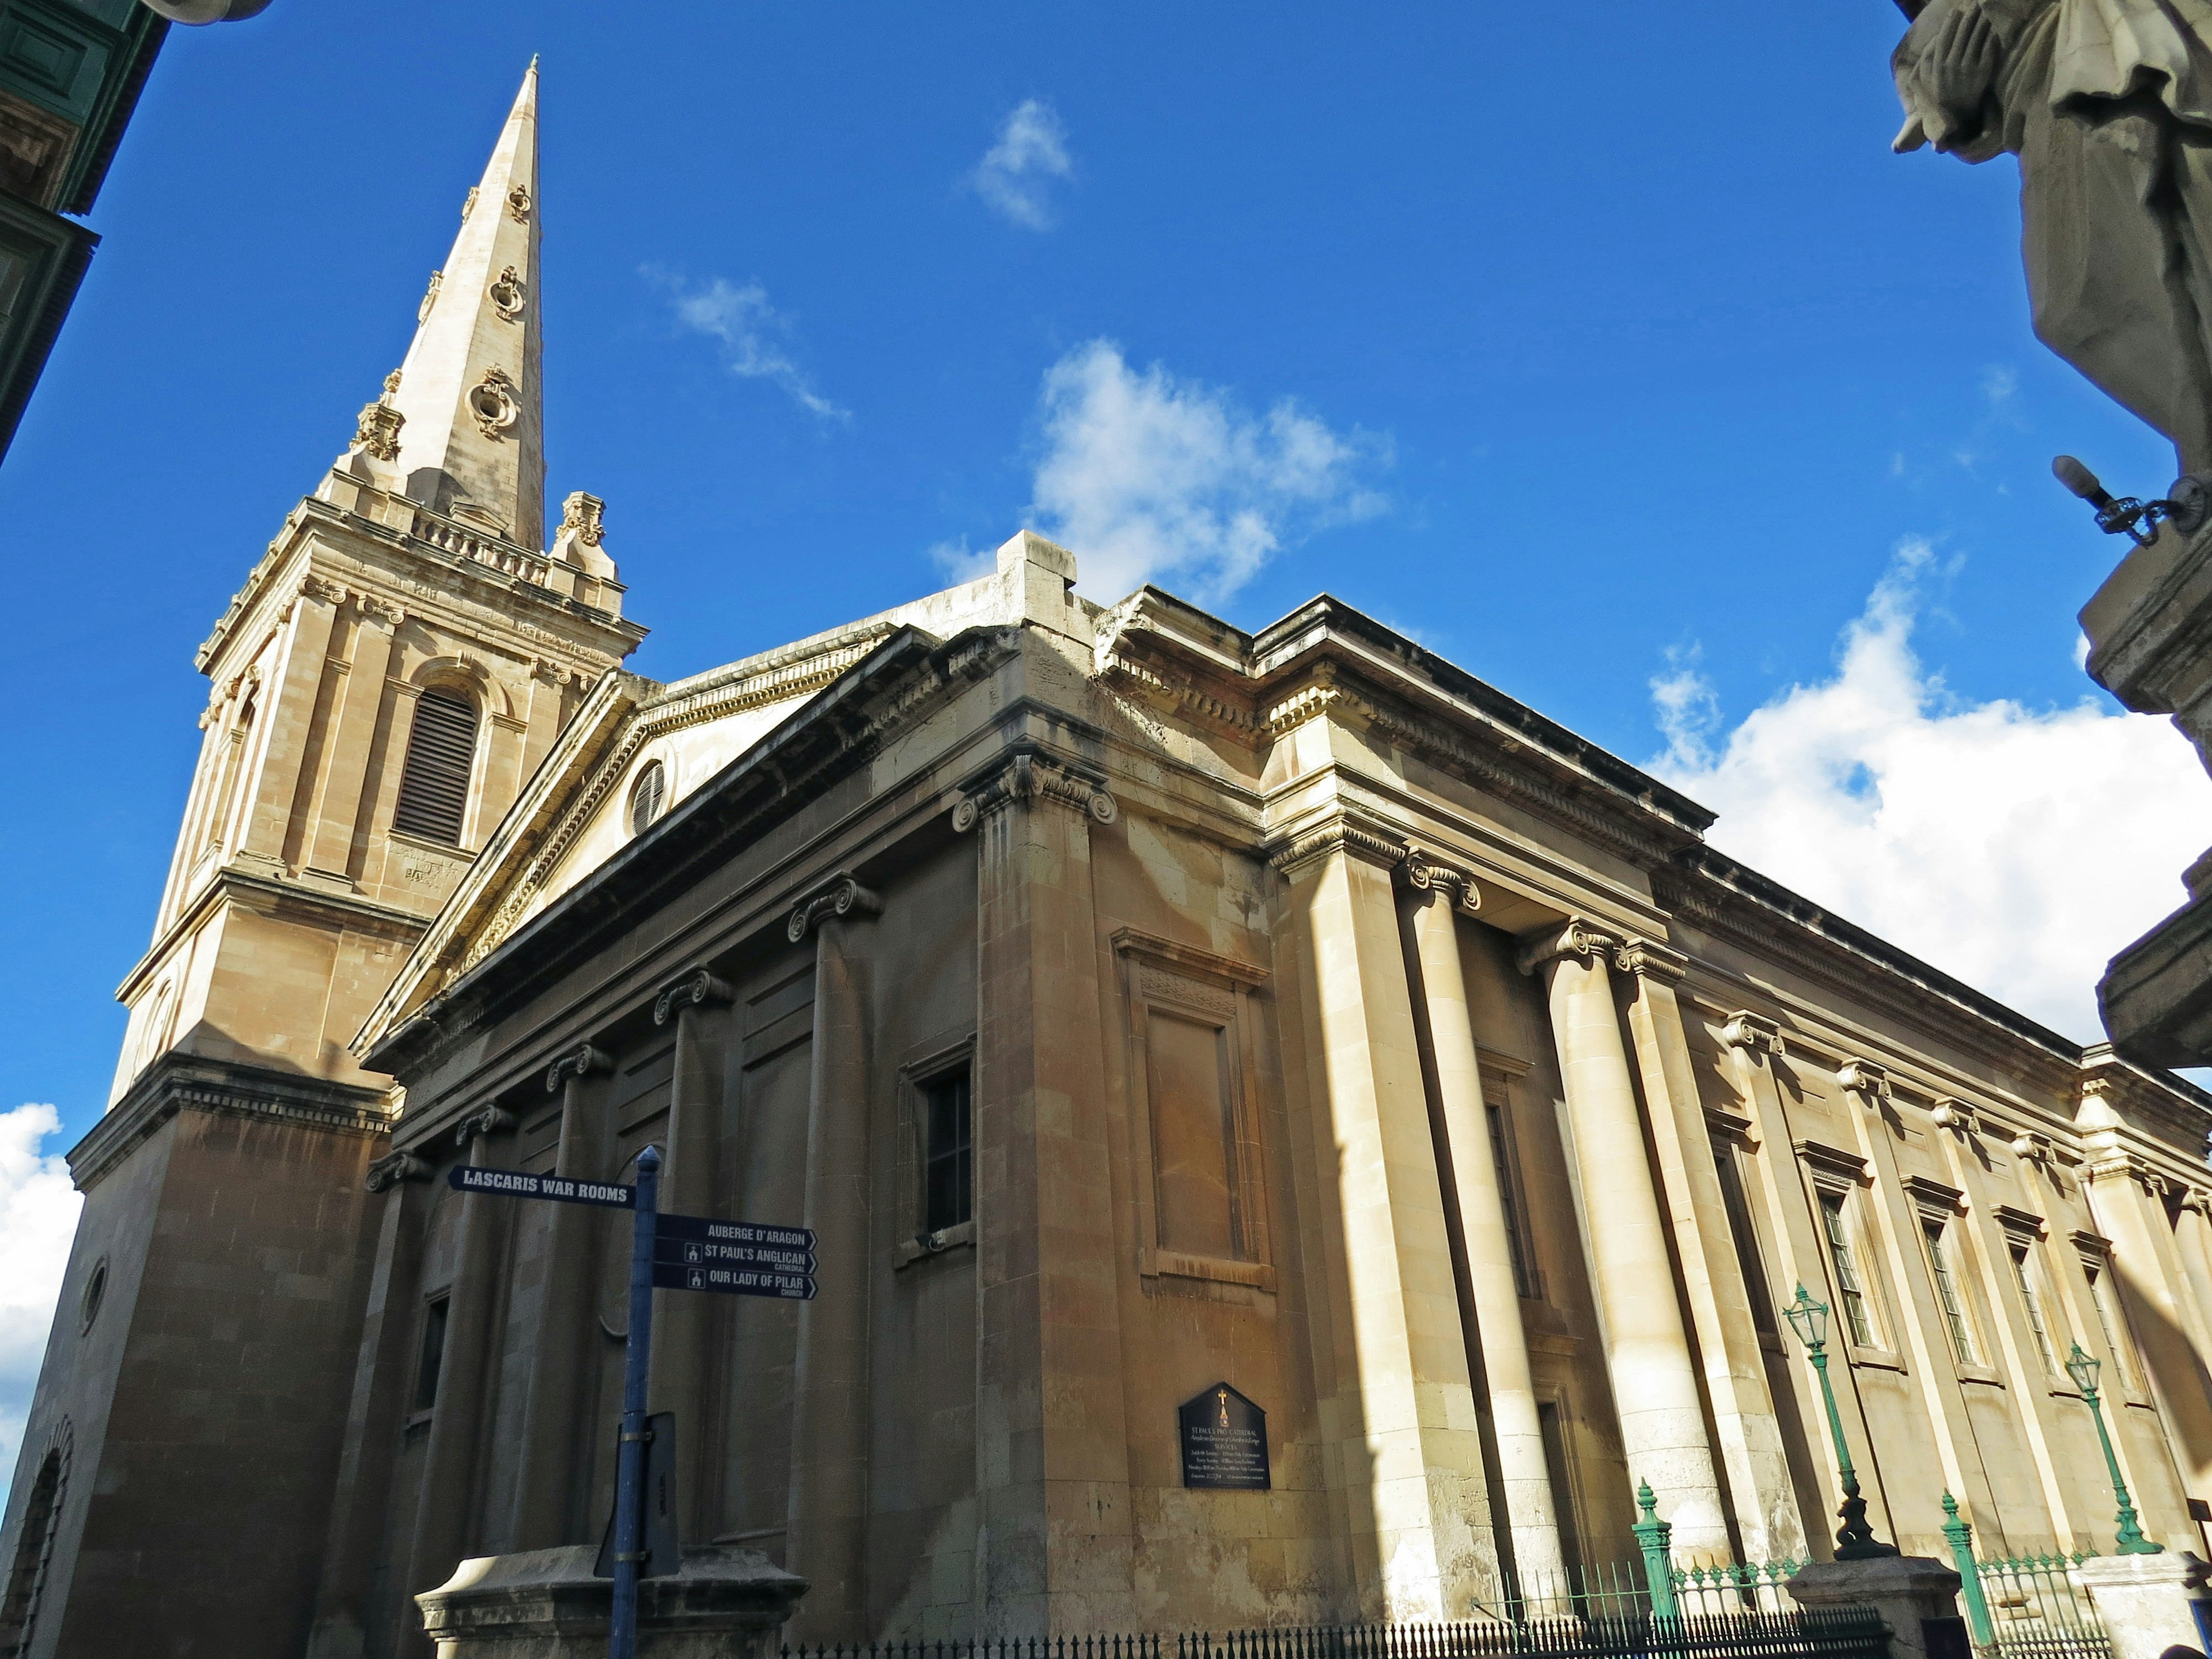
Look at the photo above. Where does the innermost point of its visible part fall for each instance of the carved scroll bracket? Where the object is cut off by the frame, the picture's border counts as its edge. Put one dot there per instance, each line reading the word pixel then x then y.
pixel 1033 777
pixel 1864 1077
pixel 1424 873
pixel 697 989
pixel 1577 938
pixel 1753 1032
pixel 393 1168
pixel 580 1061
pixel 484 1120
pixel 841 895
pixel 1647 957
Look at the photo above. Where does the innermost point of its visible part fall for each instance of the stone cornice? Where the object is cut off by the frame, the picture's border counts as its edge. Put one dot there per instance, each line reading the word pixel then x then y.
pixel 1131 941
pixel 1837 1164
pixel 1933 1199
pixel 181 1082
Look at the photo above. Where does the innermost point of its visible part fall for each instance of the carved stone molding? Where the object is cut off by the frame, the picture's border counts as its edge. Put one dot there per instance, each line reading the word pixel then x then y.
pixel 1863 1077
pixel 377 431
pixel 324 591
pixel 1755 1032
pixel 484 1120
pixel 1834 1167
pixel 841 895
pixel 518 205
pixel 582 1060
pixel 2023 1226
pixel 697 989
pixel 381 610
pixel 1577 938
pixel 1339 835
pixel 1025 776
pixel 586 514
pixel 1643 957
pixel 493 403
pixel 2195 1198
pixel 393 1168
pixel 2031 1148
pixel 508 294
pixel 1424 873
pixel 1935 1201
pixel 2125 1166
pixel 1955 1115
pixel 430 294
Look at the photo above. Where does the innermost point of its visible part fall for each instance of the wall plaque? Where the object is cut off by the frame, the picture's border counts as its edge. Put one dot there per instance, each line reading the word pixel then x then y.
pixel 1224 1441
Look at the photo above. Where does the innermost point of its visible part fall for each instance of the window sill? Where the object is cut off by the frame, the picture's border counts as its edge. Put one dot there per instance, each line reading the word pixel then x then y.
pixel 416 1419
pixel 1171 1264
pixel 1981 1373
pixel 962 1235
pixel 1879 1359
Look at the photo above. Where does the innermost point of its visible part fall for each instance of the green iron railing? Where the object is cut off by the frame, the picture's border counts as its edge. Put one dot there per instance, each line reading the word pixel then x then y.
pixel 2023 1607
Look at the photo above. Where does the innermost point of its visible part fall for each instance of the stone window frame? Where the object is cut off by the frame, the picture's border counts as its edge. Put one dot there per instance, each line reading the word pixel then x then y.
pixel 2123 1366
pixel 1939 1207
pixel 936 1059
pixel 1501 1093
pixel 1848 1177
pixel 2027 1277
pixel 1195 984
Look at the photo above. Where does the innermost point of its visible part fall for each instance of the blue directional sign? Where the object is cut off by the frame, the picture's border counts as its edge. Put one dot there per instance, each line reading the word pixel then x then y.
pixel 668 1226
pixel 514 1183
pixel 733 1281
pixel 705 1253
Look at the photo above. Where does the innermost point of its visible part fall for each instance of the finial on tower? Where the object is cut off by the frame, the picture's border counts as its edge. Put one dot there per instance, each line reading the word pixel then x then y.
pixel 469 412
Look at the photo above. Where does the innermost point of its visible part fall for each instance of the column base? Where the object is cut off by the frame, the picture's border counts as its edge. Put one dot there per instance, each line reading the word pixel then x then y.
pixel 2148 1603
pixel 726 1603
pixel 1916 1595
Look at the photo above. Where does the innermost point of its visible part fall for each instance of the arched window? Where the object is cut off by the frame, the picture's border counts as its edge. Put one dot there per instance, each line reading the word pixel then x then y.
pixel 647 796
pixel 441 751
pixel 34 1547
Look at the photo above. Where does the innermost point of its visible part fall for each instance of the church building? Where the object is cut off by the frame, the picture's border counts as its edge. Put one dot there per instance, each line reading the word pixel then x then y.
pixel 1145 1015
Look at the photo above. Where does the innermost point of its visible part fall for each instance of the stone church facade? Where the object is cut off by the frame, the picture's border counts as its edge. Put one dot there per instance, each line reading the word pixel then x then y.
pixel 1131 1003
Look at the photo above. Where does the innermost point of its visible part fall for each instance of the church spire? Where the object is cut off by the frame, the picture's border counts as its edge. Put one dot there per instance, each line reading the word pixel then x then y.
pixel 471 433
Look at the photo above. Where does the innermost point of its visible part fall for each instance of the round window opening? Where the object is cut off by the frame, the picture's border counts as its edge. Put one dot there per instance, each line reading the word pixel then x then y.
pixel 95 1292
pixel 647 796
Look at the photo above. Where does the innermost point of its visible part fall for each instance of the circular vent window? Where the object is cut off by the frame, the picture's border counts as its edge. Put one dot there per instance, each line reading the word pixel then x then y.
pixel 95 1292
pixel 647 796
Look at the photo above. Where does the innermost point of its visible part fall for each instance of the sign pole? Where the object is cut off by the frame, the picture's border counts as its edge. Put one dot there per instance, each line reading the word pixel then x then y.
pixel 637 1357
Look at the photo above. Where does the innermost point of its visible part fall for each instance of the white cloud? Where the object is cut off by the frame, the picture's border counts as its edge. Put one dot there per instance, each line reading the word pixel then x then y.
pixel 751 332
pixel 1148 477
pixel 2015 848
pixel 1017 173
pixel 38 1219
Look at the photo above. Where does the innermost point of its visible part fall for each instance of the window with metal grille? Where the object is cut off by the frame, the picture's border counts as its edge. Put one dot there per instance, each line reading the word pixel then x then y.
pixel 948 1179
pixel 441 752
pixel 1947 1294
pixel 2024 1277
pixel 1848 1285
pixel 647 796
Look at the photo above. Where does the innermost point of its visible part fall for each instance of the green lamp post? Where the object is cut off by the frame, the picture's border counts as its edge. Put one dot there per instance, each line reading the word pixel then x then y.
pixel 2083 1368
pixel 1855 1539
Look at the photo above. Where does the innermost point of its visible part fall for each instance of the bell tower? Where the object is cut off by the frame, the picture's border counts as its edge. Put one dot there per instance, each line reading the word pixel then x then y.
pixel 390 673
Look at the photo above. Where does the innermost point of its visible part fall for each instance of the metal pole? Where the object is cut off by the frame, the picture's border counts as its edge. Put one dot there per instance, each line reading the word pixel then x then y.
pixel 629 1464
pixel 2129 1538
pixel 1855 1539
pixel 1959 1534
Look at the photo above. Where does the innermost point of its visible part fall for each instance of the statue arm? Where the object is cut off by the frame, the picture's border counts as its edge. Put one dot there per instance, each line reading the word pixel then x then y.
pixel 1950 87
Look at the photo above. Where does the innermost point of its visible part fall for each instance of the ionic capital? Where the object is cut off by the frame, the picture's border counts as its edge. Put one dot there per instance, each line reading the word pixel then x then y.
pixel 580 1061
pixel 1955 1115
pixel 1754 1033
pixel 1026 776
pixel 697 989
pixel 1421 871
pixel 1863 1077
pixel 841 895
pixel 1647 957
pixel 1577 938
pixel 484 1120
pixel 393 1168
pixel 1338 835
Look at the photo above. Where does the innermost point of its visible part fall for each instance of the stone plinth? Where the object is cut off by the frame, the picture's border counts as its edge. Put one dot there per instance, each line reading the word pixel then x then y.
pixel 2147 1603
pixel 1910 1591
pixel 727 1603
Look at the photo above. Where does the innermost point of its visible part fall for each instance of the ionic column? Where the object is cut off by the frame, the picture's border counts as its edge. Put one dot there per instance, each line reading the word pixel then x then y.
pixel 444 1518
pixel 827 1541
pixel 2192 1242
pixel 1052 1481
pixel 1434 895
pixel 1397 1403
pixel 559 1420
pixel 1655 1382
pixel 359 1507
pixel 683 1325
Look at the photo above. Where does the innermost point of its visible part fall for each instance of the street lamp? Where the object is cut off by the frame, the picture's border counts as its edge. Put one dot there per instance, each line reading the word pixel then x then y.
pixel 2083 1368
pixel 1855 1539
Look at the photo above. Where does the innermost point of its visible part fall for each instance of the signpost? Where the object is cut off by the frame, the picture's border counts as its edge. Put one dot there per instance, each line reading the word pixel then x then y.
pixel 667 1252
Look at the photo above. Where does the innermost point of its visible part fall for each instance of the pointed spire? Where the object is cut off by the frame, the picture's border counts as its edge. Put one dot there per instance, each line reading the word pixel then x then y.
pixel 470 435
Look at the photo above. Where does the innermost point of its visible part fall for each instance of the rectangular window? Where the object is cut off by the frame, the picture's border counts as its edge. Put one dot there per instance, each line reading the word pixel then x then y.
pixel 2024 1277
pixel 1737 1204
pixel 1848 1285
pixel 433 1354
pixel 2107 1320
pixel 1510 1200
pixel 1948 1295
pixel 948 1160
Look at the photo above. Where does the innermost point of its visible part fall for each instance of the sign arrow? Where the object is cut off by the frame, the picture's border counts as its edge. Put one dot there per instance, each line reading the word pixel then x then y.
pixel 514 1183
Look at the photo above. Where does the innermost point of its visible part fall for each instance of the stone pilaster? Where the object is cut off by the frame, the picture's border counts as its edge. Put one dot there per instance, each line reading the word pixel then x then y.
pixel 1398 1402
pixel 1749 1435
pixel 1056 1544
pixel 335 816
pixel 1434 895
pixel 1655 1382
pixel 828 1507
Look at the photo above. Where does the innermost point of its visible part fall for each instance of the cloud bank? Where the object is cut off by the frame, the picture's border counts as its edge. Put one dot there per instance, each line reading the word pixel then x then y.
pixel 1151 477
pixel 38 1219
pixel 1016 174
pixel 751 332
pixel 2015 848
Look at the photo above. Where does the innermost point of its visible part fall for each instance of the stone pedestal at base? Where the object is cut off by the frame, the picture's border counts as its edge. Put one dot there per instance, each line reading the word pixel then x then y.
pixel 727 1603
pixel 1918 1597
pixel 2147 1603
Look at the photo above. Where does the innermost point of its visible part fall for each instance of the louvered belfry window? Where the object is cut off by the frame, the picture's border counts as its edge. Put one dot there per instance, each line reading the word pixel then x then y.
pixel 441 750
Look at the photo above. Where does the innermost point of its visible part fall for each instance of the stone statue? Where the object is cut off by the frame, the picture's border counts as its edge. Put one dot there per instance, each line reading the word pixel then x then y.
pixel 2108 105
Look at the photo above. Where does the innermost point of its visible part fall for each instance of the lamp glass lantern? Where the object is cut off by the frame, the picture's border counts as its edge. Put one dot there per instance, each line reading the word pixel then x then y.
pixel 1809 1319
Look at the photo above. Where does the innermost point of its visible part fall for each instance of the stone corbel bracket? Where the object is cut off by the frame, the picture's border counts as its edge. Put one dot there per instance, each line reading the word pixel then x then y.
pixel 484 1120
pixel 1955 1115
pixel 1864 1077
pixel 1424 873
pixel 1754 1033
pixel 1027 776
pixel 582 1060
pixel 1577 938
pixel 393 1168
pixel 841 895
pixel 697 989
pixel 1648 956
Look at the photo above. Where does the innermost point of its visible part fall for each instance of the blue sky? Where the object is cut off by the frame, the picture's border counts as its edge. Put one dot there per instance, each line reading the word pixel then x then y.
pixel 1599 358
